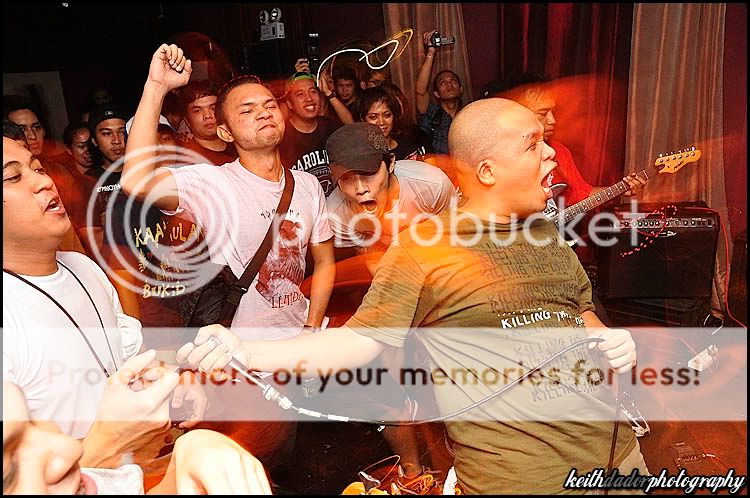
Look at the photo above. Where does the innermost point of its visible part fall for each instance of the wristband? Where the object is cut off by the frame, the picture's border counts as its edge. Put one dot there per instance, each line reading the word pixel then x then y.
pixel 311 328
pixel 329 97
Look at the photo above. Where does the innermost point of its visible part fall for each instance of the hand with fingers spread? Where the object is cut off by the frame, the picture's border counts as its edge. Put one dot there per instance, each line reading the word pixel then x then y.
pixel 207 354
pixel 636 184
pixel 618 347
pixel 169 67
pixel 133 412
pixel 206 462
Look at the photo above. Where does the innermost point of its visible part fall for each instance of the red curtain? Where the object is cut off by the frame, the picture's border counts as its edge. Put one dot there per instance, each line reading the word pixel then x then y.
pixel 586 49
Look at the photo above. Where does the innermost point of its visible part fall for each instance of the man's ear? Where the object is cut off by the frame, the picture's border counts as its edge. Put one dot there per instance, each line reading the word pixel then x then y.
pixel 486 172
pixel 437 95
pixel 223 133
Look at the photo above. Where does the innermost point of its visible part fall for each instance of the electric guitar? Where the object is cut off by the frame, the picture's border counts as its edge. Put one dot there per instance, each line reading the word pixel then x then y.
pixel 666 163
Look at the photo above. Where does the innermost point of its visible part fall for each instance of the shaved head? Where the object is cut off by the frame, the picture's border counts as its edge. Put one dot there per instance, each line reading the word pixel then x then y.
pixel 501 158
pixel 474 133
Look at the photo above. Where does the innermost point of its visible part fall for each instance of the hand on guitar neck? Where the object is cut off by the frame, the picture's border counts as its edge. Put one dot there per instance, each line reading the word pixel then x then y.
pixel 628 186
pixel 635 182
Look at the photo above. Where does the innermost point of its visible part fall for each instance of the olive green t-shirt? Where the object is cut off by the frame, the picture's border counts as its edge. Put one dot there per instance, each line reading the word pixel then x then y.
pixel 487 312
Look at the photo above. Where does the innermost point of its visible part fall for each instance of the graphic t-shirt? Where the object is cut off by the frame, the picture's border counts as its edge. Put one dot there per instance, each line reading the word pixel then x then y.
pixel 234 207
pixel 307 151
pixel 486 311
pixel 156 247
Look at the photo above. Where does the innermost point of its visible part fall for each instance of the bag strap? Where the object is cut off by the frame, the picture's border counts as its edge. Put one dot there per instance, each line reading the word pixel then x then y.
pixel 241 286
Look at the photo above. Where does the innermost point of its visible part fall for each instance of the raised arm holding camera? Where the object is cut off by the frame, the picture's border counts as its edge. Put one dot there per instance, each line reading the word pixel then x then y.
pixel 435 117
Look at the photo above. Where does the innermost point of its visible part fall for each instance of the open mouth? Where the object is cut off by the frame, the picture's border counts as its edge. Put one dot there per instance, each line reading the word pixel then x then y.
pixel 55 206
pixel 369 207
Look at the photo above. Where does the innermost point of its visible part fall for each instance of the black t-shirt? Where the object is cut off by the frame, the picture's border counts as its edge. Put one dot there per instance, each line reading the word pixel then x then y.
pixel 406 149
pixel 150 249
pixel 307 151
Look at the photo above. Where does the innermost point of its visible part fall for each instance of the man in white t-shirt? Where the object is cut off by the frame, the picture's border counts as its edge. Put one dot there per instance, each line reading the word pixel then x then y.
pixel 234 204
pixel 65 337
pixel 378 197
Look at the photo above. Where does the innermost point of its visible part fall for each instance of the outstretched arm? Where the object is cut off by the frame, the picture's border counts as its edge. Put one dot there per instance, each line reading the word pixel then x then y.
pixel 332 349
pixel 169 69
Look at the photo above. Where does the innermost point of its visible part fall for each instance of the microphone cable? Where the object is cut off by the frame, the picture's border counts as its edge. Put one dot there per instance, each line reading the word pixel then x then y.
pixel 272 394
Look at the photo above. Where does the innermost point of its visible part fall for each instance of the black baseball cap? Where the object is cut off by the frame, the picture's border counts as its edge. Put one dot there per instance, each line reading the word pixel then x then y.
pixel 102 113
pixel 356 147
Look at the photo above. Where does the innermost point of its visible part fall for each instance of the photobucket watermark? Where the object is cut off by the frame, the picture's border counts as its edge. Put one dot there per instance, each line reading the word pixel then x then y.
pixel 467 229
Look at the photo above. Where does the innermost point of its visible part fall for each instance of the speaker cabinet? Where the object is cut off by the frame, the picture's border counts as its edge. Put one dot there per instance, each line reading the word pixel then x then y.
pixel 654 257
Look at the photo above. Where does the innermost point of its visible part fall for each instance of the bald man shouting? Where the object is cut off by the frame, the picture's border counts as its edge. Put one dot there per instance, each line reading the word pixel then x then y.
pixel 491 289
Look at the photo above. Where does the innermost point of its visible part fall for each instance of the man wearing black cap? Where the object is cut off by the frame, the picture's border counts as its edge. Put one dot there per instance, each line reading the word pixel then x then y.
pixel 107 127
pixel 377 196
pixel 111 230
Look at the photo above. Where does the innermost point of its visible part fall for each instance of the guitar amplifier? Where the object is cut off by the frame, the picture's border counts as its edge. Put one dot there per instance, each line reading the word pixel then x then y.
pixel 653 255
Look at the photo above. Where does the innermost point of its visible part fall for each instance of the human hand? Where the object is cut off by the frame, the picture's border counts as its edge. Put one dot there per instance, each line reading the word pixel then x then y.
pixel 206 462
pixel 133 412
pixel 207 355
pixel 427 39
pixel 618 347
pixel 324 83
pixel 636 184
pixel 189 389
pixel 302 65
pixel 169 67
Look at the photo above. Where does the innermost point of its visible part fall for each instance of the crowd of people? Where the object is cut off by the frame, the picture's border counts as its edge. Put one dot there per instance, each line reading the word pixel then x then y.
pixel 97 294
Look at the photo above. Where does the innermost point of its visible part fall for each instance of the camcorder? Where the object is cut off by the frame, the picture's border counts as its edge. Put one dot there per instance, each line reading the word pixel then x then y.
pixel 313 52
pixel 438 41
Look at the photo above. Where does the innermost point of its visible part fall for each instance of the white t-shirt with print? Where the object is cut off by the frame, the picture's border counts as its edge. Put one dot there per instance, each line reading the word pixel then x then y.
pixel 44 353
pixel 234 207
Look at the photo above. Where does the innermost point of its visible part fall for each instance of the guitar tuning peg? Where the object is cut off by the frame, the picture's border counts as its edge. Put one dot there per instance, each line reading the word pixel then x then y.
pixel 661 155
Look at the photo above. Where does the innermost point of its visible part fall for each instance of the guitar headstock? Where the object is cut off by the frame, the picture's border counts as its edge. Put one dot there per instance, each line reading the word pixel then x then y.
pixel 674 161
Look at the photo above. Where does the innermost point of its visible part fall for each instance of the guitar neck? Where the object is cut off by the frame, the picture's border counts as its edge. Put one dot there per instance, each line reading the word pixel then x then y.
pixel 603 196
